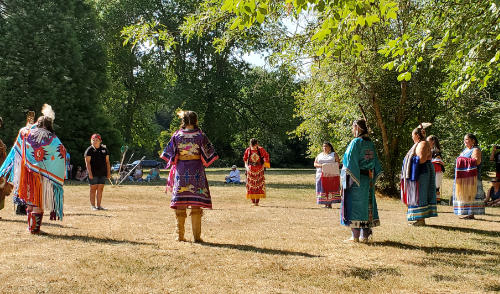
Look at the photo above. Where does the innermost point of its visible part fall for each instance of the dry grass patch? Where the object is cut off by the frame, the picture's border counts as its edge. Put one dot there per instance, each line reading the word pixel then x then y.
pixel 287 245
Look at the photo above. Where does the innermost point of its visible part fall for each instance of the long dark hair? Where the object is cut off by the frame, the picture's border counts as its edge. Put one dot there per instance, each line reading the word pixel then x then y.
pixel 361 123
pixel 329 145
pixel 419 131
pixel 473 137
pixel 435 139
pixel 188 117
pixel 253 142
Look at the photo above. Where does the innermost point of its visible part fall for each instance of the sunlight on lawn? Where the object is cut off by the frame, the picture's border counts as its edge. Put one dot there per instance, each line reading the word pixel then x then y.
pixel 287 245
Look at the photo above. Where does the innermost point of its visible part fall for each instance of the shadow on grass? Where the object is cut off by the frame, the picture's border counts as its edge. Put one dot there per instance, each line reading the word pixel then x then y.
pixel 446 278
pixel 251 248
pixel 434 249
pixel 487 242
pixel 466 230
pixel 493 288
pixel 268 185
pixel 290 186
pixel 301 208
pixel 49 224
pixel 310 172
pixel 224 184
pixel 487 220
pixel 94 239
pixel 86 214
pixel 368 273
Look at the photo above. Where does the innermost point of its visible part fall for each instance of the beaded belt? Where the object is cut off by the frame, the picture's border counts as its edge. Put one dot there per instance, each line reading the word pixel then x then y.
pixel 189 157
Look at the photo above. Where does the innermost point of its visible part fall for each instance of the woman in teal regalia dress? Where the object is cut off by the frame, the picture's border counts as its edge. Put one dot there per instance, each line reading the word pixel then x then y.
pixel 360 170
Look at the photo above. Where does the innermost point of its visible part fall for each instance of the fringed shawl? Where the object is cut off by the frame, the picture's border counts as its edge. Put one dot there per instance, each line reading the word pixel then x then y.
pixel 409 176
pixel 406 169
pixel 36 165
pixel 466 179
pixel 466 167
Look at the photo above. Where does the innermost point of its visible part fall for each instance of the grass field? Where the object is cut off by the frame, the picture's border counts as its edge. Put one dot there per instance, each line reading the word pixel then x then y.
pixel 287 245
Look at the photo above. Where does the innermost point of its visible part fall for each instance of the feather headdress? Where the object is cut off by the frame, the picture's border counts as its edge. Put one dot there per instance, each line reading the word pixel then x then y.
pixel 180 114
pixel 48 112
pixel 425 125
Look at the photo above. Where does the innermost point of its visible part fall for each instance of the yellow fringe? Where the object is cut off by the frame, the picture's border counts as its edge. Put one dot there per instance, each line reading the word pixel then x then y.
pixel 256 196
pixel 466 189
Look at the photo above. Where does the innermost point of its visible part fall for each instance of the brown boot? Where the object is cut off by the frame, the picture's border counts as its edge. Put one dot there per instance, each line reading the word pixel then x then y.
pixel 180 216
pixel 196 214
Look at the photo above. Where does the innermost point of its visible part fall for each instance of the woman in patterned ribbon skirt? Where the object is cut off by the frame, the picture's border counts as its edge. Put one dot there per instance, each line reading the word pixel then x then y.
pixel 468 193
pixel 418 181
pixel 327 176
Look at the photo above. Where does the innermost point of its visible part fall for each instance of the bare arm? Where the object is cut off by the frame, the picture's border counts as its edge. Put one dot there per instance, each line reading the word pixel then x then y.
pixel 493 151
pixel 87 164
pixel 476 154
pixel 108 167
pixel 316 164
pixel 337 158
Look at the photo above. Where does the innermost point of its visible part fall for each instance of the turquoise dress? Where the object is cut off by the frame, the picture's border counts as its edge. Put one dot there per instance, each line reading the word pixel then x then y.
pixel 360 170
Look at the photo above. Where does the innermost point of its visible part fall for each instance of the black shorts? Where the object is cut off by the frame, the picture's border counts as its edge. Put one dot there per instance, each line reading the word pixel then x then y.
pixel 97 181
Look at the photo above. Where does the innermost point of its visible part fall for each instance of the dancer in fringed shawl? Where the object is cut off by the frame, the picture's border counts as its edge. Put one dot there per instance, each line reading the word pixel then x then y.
pixel 19 203
pixel 187 154
pixel 36 165
pixel 360 170
pixel 418 181
pixel 327 176
pixel 5 187
pixel 468 193
pixel 256 160
pixel 438 164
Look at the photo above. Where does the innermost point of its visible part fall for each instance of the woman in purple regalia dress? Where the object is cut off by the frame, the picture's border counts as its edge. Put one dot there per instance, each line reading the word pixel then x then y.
pixel 187 154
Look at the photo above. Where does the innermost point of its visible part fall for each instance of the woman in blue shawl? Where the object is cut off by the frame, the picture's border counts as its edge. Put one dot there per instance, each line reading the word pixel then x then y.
pixel 36 166
pixel 360 170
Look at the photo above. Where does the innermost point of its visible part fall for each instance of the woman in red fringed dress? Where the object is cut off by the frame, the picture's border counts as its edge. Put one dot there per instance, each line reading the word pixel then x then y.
pixel 256 160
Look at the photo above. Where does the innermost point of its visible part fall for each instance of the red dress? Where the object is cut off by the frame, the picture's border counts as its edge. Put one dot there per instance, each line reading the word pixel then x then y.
pixel 256 160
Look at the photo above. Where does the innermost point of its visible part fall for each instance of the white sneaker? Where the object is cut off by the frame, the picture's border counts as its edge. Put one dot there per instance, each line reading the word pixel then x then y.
pixel 94 208
pixel 101 208
pixel 352 240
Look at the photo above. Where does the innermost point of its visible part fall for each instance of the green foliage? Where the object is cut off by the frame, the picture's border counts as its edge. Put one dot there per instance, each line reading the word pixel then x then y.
pixel 464 33
pixel 158 72
pixel 472 112
pixel 396 58
pixel 51 53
